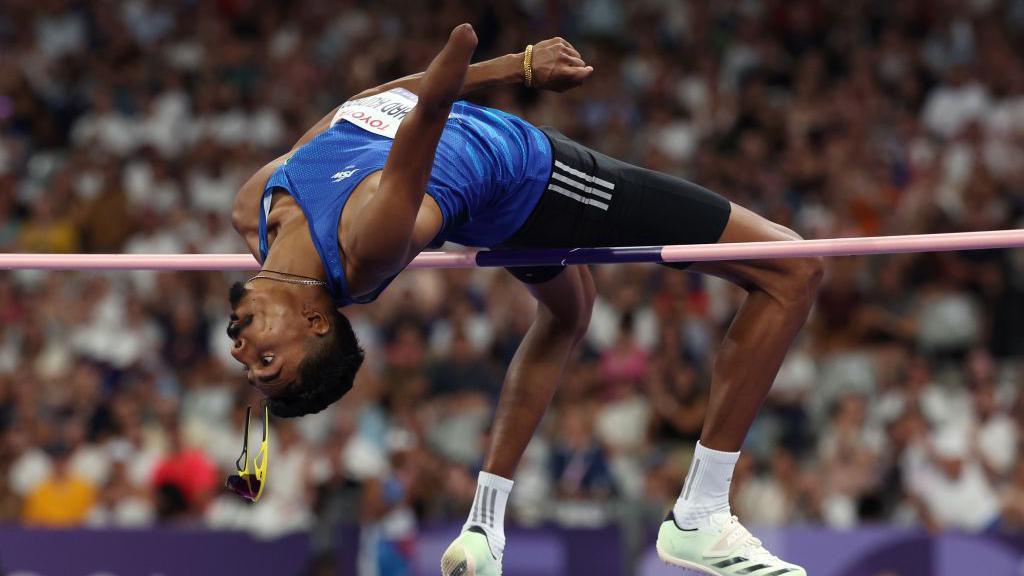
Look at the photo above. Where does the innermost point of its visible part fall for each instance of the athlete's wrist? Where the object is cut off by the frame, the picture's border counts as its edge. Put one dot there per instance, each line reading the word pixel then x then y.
pixel 514 71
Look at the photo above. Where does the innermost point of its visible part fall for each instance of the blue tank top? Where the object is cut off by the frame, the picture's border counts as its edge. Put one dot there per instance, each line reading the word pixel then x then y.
pixel 489 173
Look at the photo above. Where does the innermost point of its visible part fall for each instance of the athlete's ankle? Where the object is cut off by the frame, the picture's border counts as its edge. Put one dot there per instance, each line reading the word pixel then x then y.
pixel 695 518
pixel 488 512
pixel 706 489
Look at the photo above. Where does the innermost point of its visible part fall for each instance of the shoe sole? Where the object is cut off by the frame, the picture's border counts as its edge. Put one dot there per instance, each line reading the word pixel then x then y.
pixel 673 561
pixel 456 562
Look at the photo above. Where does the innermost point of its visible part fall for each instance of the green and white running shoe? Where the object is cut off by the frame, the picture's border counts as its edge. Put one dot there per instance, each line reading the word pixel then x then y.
pixel 469 555
pixel 725 548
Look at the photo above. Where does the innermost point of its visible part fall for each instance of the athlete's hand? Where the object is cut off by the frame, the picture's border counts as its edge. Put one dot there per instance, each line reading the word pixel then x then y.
pixel 558 66
pixel 443 79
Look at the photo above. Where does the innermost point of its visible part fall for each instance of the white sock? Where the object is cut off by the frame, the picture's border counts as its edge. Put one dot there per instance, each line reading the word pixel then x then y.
pixel 706 489
pixel 488 510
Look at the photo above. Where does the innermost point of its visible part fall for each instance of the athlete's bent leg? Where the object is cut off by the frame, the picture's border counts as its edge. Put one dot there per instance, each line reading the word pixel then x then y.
pixel 780 294
pixel 563 315
pixel 701 533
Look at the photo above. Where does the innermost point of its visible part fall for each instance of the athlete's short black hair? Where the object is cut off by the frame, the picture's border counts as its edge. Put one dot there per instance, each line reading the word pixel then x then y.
pixel 325 374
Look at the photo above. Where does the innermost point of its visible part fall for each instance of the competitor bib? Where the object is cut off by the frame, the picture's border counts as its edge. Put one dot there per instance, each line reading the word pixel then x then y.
pixel 380 114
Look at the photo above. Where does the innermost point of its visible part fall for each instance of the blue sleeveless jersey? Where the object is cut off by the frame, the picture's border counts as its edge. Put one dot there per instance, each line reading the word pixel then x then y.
pixel 489 172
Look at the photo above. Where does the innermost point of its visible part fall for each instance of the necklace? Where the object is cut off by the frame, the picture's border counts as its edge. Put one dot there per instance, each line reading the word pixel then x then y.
pixel 289 279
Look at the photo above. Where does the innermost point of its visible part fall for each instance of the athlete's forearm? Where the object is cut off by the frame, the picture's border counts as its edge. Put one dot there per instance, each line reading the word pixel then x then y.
pixel 501 71
pixel 381 242
pixel 556 66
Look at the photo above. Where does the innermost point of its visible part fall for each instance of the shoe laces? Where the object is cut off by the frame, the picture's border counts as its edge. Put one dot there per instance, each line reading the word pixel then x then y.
pixel 752 545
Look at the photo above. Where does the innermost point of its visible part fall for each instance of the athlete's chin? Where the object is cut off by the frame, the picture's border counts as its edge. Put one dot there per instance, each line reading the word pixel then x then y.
pixel 270 390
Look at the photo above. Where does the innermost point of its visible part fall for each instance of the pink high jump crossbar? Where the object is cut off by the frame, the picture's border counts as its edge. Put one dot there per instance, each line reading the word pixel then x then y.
pixel 493 258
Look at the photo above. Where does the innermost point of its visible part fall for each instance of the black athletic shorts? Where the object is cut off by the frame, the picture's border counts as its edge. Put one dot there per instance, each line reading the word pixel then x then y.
pixel 593 200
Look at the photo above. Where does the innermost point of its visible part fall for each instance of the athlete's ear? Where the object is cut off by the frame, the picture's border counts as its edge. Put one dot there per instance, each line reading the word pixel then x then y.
pixel 316 320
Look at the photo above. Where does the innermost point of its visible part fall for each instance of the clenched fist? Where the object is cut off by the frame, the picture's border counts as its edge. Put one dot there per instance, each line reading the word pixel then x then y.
pixel 558 66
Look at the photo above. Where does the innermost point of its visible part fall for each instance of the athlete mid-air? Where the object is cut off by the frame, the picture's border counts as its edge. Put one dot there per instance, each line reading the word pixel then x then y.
pixel 405 166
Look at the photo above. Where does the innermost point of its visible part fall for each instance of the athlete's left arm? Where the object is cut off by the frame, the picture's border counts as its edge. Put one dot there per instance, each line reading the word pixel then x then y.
pixel 556 66
pixel 555 62
pixel 379 241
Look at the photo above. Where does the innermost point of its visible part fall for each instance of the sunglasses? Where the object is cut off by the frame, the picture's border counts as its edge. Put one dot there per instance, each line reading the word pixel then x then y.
pixel 249 484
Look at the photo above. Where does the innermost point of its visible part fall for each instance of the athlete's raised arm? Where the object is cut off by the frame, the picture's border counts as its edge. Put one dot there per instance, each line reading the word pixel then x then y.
pixel 556 66
pixel 378 242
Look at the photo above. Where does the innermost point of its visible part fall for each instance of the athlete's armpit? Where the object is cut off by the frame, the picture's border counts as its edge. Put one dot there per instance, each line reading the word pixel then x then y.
pixel 245 211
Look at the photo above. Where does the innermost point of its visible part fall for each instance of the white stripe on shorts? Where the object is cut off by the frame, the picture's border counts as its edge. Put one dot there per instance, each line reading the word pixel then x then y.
pixel 583 176
pixel 586 189
pixel 577 197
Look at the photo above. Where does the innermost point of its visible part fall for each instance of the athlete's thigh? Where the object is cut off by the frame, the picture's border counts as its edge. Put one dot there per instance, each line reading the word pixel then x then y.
pixel 747 226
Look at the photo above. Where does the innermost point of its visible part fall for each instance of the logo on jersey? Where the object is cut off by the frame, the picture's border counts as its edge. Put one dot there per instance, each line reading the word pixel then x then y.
pixel 339 176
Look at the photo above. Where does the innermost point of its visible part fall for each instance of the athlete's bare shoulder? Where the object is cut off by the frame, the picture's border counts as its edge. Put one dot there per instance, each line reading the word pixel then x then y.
pixel 245 215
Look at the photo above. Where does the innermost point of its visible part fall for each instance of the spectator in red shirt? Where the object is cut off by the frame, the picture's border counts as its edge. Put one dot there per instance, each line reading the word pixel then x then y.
pixel 184 480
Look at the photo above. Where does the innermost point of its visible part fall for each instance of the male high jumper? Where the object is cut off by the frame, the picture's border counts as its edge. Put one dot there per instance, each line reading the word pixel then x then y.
pixel 405 166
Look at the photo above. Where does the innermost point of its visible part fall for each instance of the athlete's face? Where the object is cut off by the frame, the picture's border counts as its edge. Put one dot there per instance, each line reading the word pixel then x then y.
pixel 271 325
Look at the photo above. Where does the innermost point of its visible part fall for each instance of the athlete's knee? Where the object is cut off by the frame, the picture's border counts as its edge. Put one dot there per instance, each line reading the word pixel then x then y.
pixel 566 326
pixel 793 282
pixel 580 327
pixel 573 325
pixel 565 304
pixel 798 281
pixel 810 271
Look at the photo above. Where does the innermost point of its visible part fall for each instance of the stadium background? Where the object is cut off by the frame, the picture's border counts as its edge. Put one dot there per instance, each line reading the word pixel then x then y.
pixel 898 417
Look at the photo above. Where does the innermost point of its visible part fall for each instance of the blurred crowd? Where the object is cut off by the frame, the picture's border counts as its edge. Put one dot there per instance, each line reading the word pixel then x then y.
pixel 128 127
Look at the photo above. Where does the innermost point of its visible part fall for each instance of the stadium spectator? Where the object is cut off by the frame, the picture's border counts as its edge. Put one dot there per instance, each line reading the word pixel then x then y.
pixel 62 499
pixel 184 480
